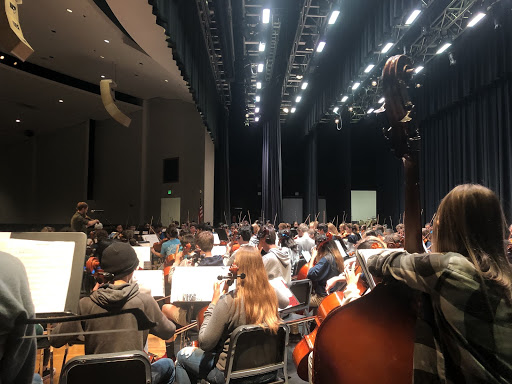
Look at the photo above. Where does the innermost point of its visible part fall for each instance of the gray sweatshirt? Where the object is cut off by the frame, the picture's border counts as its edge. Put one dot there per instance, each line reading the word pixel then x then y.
pixel 114 297
pixel 277 264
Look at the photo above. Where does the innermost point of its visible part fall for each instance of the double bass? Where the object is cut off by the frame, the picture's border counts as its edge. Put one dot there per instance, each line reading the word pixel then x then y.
pixel 372 339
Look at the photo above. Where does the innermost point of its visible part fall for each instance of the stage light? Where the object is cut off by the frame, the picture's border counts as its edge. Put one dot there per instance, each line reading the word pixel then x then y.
pixel 166 80
pixel 293 110
pixel 386 48
pixel 355 86
pixel 261 47
pixel 344 98
pixel 18 120
pixel 321 46
pixel 258 99
pixel 443 48
pixel 418 85
pixel 419 69
pixel 15 63
pixel 298 99
pixel 256 119
pixel 335 109
pixel 351 109
pixel 247 115
pixel 102 76
pixel 2 57
pixel 369 68
pixel 102 57
pixel 370 110
pixel 374 83
pixel 260 68
pixel 69 10
pixel 258 85
pixel 106 41
pixel 304 85
pixel 476 19
pixel 266 16
pixel 337 121
pixel 257 110
pixel 299 77
pixel 334 17
pixel 414 15
pixel 61 101
pixel 286 110
pixel 382 100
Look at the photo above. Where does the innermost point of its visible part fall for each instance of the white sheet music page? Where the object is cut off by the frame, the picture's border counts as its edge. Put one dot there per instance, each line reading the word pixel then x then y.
pixel 48 265
pixel 195 283
pixel 152 281
pixel 143 254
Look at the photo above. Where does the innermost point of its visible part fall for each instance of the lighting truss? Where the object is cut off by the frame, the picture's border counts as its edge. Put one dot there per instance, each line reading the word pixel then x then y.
pixel 312 23
pixel 213 45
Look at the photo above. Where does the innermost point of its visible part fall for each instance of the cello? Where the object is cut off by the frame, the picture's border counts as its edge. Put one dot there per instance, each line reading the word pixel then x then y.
pixel 379 343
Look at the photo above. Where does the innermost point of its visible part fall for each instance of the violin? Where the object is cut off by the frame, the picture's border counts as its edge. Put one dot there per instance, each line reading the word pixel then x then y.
pixel 92 265
pixel 380 324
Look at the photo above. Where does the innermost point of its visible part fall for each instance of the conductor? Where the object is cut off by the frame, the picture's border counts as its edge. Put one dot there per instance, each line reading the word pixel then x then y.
pixel 80 221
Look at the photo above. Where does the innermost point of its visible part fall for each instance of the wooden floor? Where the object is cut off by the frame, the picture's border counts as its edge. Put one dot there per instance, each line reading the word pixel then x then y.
pixel 156 346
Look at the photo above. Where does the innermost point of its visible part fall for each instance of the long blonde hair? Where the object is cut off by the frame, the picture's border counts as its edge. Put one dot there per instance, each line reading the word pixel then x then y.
pixel 470 221
pixel 256 293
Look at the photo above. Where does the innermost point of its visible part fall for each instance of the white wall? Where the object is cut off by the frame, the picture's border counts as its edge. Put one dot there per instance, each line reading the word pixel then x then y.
pixel 363 205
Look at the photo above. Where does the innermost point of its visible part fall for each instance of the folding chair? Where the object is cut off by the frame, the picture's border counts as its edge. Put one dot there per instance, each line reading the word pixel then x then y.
pixel 121 367
pixel 256 355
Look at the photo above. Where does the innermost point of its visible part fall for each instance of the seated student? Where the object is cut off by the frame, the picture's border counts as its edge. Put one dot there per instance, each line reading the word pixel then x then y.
pixel 289 246
pixel 304 241
pixel 327 264
pixel 119 260
pixel 253 302
pixel 205 244
pixel 464 328
pixel 244 237
pixel 276 261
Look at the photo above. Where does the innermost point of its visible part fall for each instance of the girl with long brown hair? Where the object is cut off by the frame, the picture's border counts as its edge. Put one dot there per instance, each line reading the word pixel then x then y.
pixel 464 325
pixel 254 301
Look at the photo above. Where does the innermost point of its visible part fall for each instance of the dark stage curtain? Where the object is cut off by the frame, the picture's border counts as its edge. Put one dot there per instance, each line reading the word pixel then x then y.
pixel 310 203
pixel 467 116
pixel 271 169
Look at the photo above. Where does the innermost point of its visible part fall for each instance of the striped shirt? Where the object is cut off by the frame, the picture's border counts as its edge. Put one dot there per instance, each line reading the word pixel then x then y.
pixel 463 333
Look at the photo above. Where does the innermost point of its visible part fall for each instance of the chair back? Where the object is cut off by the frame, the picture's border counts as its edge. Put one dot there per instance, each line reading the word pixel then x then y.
pixel 256 352
pixel 301 289
pixel 120 367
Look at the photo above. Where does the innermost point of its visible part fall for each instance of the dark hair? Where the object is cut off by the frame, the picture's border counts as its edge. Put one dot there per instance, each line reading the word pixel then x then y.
pixel 322 227
pixel 100 234
pixel 245 232
pixel 188 238
pixel 268 233
pixel 81 205
pixel 286 240
pixel 171 232
pixel 370 233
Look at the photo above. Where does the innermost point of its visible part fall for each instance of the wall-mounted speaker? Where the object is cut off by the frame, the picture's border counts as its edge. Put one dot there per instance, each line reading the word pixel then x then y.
pixel 11 36
pixel 107 97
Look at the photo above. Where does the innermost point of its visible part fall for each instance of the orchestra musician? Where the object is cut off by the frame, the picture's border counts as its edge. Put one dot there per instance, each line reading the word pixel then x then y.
pixel 253 302
pixel 463 331
pixel 80 221
pixel 276 261
pixel 119 260
pixel 243 240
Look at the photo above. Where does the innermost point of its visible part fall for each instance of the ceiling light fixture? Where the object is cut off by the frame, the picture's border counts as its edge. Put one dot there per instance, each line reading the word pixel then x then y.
pixel 257 110
pixel 106 41
pixel 258 85
pixel 321 46
pixel 350 109
pixel 374 83
pixel 355 86
pixel 258 99
pixel 386 48
pixel 260 68
pixel 18 120
pixel 334 17
pixel 476 19
pixel 299 77
pixel 443 48
pixel 166 80
pixel 102 76
pixel 61 101
pixel 419 69
pixel 256 119
pixel 298 99
pixel 69 10
pixel 369 68
pixel 344 98
pixel 261 47
pixel 370 110
pixel 102 57
pixel 414 15
pixel 382 100
pixel 286 110
pixel 304 85
pixel 293 110
pixel 15 63
pixel 335 109
pixel 2 57
pixel 266 16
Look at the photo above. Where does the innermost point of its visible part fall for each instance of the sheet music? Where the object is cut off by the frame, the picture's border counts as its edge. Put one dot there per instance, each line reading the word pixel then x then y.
pixel 191 284
pixel 152 281
pixel 48 265
pixel 280 286
pixel 306 255
pixel 143 254
pixel 219 250
pixel 151 238
pixel 216 239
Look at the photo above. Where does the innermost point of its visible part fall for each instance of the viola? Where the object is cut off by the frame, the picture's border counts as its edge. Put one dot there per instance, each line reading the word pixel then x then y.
pixel 379 327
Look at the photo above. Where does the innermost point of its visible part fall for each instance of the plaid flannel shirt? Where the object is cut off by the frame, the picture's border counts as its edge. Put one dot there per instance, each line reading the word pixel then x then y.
pixel 462 336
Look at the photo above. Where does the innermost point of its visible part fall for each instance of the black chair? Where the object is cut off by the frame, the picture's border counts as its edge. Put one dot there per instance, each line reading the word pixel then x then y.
pixel 121 367
pixel 301 289
pixel 255 354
